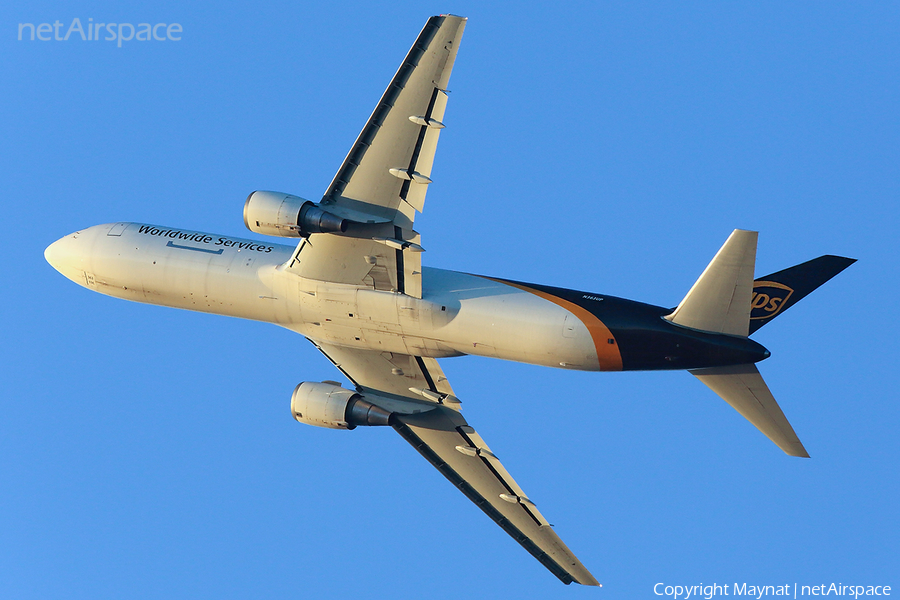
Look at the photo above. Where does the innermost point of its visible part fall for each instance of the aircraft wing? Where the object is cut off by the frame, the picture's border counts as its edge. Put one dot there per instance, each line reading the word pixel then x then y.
pixel 441 434
pixel 384 178
pixel 386 372
pixel 389 165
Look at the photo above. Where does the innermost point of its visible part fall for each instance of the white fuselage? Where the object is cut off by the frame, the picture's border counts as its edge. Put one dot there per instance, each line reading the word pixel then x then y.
pixel 458 313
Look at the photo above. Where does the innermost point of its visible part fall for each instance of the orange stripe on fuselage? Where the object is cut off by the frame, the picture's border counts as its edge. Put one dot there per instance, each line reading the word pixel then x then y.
pixel 608 355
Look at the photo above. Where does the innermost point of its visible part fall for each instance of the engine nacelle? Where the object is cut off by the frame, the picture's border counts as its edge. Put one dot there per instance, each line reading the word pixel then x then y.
pixel 284 215
pixel 328 405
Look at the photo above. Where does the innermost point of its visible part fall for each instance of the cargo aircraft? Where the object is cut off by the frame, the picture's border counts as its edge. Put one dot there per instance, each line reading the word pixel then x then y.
pixel 354 285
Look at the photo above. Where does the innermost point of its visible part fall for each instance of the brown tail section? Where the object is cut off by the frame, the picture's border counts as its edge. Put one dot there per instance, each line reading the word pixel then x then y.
pixel 775 293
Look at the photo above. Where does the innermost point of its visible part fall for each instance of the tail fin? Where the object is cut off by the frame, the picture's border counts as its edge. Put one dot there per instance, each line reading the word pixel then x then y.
pixel 719 302
pixel 726 299
pixel 775 293
pixel 743 388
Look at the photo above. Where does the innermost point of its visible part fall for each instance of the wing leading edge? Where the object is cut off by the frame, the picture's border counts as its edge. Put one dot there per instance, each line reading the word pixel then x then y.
pixel 441 434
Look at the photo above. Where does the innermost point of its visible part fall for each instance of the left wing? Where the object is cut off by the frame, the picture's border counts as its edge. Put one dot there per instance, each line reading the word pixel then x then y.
pixel 385 176
pixel 442 435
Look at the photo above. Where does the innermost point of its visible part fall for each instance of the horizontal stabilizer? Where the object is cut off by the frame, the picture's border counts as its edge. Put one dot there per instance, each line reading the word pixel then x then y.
pixel 743 387
pixel 719 301
pixel 775 293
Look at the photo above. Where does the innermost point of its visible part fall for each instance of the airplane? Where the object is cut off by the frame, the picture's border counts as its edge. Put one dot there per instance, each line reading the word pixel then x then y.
pixel 354 285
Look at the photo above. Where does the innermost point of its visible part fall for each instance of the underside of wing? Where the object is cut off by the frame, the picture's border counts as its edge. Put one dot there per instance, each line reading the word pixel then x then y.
pixel 383 180
pixel 404 385
pixel 743 387
pixel 391 263
pixel 389 373
pixel 444 438
pixel 387 171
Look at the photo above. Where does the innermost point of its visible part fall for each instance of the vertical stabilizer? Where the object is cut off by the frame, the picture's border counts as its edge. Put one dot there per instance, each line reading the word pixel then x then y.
pixel 720 300
pixel 743 387
pixel 775 293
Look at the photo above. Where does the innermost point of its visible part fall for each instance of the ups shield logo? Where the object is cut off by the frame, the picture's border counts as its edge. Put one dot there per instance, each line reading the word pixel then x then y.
pixel 769 297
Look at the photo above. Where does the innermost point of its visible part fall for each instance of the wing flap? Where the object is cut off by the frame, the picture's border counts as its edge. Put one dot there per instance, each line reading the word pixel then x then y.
pixel 423 159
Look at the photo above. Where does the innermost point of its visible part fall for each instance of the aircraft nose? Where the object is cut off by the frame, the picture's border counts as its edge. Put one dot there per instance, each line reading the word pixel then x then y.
pixel 55 253
pixel 66 256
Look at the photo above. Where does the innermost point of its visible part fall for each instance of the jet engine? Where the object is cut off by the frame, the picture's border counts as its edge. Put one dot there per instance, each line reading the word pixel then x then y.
pixel 284 215
pixel 329 405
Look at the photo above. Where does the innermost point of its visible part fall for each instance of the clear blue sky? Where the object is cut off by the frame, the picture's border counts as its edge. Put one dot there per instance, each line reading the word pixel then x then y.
pixel 610 147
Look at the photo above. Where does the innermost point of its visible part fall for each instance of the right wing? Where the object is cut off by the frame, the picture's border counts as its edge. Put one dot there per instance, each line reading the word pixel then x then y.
pixel 441 434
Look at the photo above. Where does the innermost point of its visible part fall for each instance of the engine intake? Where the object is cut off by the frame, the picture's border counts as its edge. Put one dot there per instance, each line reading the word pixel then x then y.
pixel 284 215
pixel 331 406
